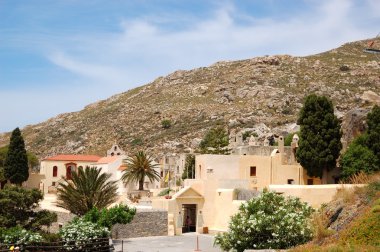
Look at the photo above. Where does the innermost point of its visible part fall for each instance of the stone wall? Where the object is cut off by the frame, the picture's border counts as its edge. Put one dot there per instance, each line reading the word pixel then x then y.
pixel 145 223
pixel 62 219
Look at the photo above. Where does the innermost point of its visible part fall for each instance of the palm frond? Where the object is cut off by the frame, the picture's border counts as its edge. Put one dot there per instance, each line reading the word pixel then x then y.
pixel 88 188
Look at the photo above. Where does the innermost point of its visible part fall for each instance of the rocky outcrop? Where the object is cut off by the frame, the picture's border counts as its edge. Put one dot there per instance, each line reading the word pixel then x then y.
pixel 353 124
pixel 238 95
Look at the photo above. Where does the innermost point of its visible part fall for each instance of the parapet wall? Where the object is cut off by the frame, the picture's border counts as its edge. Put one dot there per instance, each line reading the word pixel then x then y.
pixel 315 195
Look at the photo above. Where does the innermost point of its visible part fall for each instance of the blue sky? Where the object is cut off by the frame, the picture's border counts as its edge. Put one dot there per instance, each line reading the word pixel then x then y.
pixel 59 56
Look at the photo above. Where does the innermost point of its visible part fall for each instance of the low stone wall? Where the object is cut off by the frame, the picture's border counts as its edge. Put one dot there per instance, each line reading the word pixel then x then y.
pixel 62 219
pixel 145 223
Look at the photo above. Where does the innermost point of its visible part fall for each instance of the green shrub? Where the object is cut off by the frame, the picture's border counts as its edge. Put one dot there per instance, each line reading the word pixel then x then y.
pixel 376 202
pixel 166 124
pixel 376 209
pixel 165 192
pixel 108 217
pixel 137 142
pixel 18 235
pixel 269 221
pixel 50 237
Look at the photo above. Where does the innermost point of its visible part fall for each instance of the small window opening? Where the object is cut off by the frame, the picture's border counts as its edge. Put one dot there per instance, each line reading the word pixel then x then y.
pixel 252 171
pixel 290 181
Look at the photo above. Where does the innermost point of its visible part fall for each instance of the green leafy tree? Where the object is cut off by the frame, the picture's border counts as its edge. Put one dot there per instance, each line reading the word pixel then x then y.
pixel 16 162
pixel 363 154
pixel 18 207
pixel 358 158
pixel 289 138
pixel 373 122
pixel 189 171
pixel 33 161
pixel 215 142
pixel 140 166
pixel 268 221
pixel 320 134
pixel 88 188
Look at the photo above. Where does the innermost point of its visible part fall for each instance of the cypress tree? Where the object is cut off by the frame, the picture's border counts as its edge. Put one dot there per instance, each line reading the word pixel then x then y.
pixel 320 134
pixel 16 162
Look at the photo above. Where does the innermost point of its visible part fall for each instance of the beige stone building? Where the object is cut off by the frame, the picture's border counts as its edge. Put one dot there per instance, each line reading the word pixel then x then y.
pixel 223 182
pixel 55 168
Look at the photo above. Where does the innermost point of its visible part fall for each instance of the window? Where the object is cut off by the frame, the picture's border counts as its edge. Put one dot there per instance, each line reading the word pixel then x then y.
pixel 55 171
pixel 53 183
pixel 310 182
pixel 252 171
pixel 290 181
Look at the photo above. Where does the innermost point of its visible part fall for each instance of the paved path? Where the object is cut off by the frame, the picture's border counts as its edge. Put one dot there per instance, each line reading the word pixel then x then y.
pixel 182 243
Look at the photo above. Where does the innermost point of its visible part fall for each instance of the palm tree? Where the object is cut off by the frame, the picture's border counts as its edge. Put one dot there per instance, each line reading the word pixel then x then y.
pixel 140 166
pixel 87 188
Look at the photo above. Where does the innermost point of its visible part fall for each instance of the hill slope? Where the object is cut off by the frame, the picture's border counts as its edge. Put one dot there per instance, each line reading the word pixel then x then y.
pixel 240 94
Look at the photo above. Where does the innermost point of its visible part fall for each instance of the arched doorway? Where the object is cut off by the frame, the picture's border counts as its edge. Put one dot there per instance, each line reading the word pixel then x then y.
pixel 70 168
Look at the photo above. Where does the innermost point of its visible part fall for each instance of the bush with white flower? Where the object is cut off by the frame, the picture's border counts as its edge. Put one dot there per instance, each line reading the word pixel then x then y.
pixel 80 232
pixel 268 221
pixel 18 235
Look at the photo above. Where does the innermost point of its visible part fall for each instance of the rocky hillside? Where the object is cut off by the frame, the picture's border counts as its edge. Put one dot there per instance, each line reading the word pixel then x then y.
pixel 264 91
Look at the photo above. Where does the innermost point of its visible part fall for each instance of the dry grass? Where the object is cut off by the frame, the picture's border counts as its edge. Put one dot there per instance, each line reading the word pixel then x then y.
pixel 349 194
pixel 319 223
pixel 363 178
pixel 346 194
pixel 334 248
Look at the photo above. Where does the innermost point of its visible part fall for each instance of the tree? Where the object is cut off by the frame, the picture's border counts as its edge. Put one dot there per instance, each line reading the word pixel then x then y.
pixel 363 154
pixel 373 122
pixel 189 171
pixel 140 166
pixel 358 158
pixel 17 207
pixel 88 188
pixel 215 142
pixel 289 138
pixel 319 144
pixel 268 221
pixel 16 162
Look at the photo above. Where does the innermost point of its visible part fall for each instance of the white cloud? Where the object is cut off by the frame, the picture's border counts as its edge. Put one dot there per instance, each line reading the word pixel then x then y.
pixel 100 73
pixel 148 47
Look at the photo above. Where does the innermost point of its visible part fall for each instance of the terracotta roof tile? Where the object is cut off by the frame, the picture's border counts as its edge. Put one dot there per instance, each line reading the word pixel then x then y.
pixel 86 158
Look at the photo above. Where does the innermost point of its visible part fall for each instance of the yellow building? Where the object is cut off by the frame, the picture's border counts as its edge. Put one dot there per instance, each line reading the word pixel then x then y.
pixel 223 182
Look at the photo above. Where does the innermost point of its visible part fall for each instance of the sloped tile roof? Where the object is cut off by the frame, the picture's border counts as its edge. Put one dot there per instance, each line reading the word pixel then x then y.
pixel 86 158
